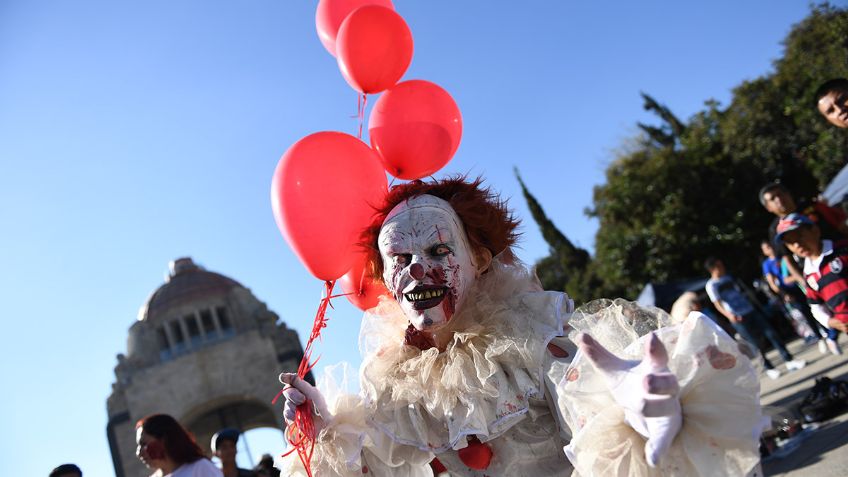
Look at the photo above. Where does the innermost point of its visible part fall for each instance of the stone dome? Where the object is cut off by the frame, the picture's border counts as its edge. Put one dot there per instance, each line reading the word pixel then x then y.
pixel 186 282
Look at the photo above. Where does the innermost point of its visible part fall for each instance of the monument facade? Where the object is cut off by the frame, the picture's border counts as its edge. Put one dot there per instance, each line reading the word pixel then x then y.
pixel 204 350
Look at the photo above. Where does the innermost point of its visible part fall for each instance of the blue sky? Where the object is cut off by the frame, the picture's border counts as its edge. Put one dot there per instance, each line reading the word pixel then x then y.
pixel 133 133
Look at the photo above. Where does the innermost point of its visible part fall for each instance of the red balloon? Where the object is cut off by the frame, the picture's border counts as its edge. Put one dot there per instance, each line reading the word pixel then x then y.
pixel 416 128
pixel 324 193
pixel 373 48
pixel 331 13
pixel 361 290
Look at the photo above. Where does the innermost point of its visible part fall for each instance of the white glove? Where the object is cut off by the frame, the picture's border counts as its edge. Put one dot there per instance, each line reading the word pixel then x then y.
pixel 298 393
pixel 647 390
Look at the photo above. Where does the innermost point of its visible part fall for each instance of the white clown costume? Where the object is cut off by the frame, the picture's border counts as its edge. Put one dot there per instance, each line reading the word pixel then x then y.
pixel 511 378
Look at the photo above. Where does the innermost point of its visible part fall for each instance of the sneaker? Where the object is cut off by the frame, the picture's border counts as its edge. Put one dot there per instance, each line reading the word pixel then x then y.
pixel 795 364
pixel 833 346
pixel 773 373
pixel 822 346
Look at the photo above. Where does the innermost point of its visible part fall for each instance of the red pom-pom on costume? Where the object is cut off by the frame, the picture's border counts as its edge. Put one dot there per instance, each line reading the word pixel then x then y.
pixel 437 466
pixel 477 455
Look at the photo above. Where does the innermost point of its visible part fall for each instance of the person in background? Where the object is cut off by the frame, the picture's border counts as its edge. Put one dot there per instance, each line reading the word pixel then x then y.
pixel 166 446
pixel 66 470
pixel 777 199
pixel 224 447
pixel 824 272
pixel 790 297
pixel 832 101
pixel 729 300
pixel 265 467
pixel 685 304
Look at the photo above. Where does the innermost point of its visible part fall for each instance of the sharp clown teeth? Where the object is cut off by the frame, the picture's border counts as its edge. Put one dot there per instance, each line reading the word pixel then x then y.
pixel 425 295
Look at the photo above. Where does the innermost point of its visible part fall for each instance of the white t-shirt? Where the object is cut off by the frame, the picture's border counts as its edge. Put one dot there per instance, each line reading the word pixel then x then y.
pixel 198 468
pixel 725 291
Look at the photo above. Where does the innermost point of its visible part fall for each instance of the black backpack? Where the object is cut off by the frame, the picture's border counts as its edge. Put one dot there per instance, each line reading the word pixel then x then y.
pixel 827 399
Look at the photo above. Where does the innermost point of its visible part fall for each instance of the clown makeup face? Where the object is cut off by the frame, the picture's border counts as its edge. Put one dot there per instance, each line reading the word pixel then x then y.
pixel 427 263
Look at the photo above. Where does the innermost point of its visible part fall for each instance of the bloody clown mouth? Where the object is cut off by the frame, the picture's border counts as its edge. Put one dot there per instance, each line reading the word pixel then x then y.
pixel 423 297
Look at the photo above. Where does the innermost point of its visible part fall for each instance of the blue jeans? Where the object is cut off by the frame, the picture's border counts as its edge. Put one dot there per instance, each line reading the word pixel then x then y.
pixel 753 325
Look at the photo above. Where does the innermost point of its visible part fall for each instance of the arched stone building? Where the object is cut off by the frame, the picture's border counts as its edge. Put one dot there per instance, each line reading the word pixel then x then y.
pixel 203 350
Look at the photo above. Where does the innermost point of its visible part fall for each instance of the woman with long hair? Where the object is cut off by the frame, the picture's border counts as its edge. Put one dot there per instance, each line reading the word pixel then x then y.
pixel 166 446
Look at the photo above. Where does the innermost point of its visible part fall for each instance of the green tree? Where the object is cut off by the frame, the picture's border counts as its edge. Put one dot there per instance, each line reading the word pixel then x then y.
pixel 567 267
pixel 683 191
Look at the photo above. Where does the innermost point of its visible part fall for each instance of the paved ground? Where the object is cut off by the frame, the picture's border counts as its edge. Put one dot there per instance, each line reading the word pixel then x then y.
pixel 824 453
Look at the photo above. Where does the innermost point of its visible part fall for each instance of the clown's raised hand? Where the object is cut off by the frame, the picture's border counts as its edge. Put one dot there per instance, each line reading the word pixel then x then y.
pixel 647 390
pixel 298 392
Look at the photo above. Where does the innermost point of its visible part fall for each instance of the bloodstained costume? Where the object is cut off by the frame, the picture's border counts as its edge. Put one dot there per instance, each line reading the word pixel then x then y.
pixel 498 388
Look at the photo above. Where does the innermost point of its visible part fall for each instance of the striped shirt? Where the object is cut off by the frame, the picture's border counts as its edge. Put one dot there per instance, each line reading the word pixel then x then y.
pixel 827 281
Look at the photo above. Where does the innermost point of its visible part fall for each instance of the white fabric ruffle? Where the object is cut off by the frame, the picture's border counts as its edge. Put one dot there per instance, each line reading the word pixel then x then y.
pixel 481 383
pixel 492 378
pixel 719 396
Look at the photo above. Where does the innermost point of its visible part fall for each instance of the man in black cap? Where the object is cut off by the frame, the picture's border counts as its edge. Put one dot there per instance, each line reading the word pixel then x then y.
pixel 224 447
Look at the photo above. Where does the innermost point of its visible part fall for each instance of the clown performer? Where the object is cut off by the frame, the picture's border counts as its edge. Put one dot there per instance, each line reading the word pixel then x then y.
pixel 471 367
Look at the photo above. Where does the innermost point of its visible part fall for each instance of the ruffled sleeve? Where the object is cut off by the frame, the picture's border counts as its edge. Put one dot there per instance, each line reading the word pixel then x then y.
pixel 719 396
pixel 482 385
pixel 349 446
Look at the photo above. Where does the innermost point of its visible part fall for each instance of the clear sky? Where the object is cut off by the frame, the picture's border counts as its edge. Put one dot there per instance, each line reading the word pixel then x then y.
pixel 133 133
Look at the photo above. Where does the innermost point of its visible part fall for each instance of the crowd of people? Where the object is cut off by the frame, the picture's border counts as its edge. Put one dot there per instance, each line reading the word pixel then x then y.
pixel 168 449
pixel 802 269
pixel 802 281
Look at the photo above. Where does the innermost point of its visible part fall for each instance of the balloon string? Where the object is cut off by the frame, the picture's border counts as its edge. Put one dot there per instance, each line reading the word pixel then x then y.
pixel 301 434
pixel 358 106
pixel 361 102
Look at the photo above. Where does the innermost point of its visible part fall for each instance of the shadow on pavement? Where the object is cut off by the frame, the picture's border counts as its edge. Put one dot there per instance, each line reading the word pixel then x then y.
pixel 791 402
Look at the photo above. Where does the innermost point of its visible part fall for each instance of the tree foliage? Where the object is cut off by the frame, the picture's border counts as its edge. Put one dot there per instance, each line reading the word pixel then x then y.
pixel 687 190
pixel 567 266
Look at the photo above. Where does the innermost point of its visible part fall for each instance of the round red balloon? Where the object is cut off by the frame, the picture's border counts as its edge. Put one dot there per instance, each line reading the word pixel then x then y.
pixel 373 48
pixel 331 13
pixel 362 291
pixel 416 128
pixel 324 193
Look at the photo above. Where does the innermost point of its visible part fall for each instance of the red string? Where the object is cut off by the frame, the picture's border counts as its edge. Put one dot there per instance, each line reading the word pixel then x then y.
pixel 358 106
pixel 361 102
pixel 301 434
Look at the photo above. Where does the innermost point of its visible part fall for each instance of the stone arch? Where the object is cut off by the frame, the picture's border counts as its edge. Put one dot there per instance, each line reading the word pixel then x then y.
pixel 234 411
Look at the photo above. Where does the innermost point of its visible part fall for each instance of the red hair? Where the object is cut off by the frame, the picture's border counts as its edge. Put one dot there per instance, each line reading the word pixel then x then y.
pixel 179 444
pixel 488 222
